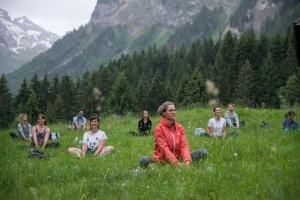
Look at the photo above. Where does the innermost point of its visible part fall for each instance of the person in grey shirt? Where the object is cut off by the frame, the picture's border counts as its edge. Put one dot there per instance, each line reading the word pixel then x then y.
pixel 231 117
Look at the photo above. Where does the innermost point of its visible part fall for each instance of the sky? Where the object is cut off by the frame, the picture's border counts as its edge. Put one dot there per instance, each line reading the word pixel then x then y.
pixel 57 16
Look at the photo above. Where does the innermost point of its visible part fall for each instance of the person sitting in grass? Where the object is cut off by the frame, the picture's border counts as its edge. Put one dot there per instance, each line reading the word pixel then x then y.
pixel 289 123
pixel 40 132
pixel 231 117
pixel 79 121
pixel 216 125
pixel 93 141
pixel 24 128
pixel 171 145
pixel 145 124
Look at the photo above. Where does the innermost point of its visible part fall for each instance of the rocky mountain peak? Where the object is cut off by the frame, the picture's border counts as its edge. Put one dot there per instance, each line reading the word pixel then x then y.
pixel 173 13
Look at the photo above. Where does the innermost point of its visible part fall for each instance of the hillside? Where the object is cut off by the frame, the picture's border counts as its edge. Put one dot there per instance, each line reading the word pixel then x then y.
pixel 125 26
pixel 258 163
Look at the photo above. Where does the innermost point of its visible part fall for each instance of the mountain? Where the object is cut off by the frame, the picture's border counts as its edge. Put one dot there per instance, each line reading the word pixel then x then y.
pixel 20 41
pixel 119 27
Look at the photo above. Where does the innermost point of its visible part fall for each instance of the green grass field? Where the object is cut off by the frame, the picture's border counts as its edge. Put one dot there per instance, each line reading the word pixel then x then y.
pixel 256 164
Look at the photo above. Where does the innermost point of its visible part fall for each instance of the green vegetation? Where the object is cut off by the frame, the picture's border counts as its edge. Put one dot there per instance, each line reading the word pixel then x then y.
pixel 257 164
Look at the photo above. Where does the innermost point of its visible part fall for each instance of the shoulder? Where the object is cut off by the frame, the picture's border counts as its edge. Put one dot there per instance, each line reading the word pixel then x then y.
pixel 211 120
pixel 223 120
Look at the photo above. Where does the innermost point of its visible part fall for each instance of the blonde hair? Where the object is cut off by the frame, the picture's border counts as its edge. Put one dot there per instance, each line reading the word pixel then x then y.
pixel 21 116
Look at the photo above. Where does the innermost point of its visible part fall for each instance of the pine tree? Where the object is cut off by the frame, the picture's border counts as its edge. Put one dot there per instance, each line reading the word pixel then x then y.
pixel 54 89
pixel 225 68
pixel 121 99
pixel 290 64
pixel 196 88
pixel 32 108
pixel 291 91
pixel 245 90
pixel 7 104
pixel 44 94
pixel 67 94
pixel 246 48
pixel 142 94
pixel 158 92
pixel 55 110
pixel 270 85
pixel 23 96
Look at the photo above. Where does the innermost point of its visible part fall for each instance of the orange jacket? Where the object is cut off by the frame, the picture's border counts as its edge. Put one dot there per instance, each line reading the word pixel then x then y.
pixel 171 143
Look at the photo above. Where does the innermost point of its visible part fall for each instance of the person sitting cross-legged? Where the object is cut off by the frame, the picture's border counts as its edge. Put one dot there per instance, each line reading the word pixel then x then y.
pixel 93 141
pixel 216 125
pixel 171 145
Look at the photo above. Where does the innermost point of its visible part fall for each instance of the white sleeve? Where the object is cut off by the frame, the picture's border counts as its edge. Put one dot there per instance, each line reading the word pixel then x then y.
pixel 103 136
pixel 237 120
pixel 85 137
pixel 210 123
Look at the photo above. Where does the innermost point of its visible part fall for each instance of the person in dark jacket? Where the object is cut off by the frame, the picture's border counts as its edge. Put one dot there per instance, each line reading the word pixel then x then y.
pixel 289 123
pixel 145 124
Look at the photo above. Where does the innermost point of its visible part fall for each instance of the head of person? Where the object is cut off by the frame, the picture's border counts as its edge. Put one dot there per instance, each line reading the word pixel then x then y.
pixel 217 111
pixel 291 115
pixel 80 113
pixel 145 114
pixel 23 118
pixel 230 107
pixel 94 122
pixel 42 119
pixel 167 110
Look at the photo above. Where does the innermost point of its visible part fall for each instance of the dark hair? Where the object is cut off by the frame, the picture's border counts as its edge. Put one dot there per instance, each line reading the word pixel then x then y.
pixel 163 107
pixel 216 108
pixel 43 117
pixel 94 117
pixel 290 113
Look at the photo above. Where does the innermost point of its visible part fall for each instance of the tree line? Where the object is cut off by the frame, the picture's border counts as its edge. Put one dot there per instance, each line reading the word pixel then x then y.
pixel 252 71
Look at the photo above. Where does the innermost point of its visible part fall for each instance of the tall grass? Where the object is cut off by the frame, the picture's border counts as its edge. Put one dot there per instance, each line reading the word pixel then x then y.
pixel 256 164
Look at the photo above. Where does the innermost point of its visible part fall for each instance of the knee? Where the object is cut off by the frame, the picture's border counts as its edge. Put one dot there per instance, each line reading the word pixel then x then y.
pixel 111 148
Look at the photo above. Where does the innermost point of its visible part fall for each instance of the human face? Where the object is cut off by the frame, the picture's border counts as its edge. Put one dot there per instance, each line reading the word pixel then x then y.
pixel 170 113
pixel 145 114
pixel 25 119
pixel 41 121
pixel 218 112
pixel 80 113
pixel 94 124
pixel 230 107
pixel 291 117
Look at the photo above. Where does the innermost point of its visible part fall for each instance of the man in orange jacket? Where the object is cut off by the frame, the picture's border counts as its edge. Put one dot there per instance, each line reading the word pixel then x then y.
pixel 171 145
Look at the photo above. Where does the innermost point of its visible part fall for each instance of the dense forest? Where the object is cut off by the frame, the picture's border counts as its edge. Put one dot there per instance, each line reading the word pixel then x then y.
pixel 251 71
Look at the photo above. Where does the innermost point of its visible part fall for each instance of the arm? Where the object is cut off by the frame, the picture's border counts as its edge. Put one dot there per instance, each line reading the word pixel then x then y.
pixel 237 121
pixel 46 137
pixel 84 123
pixel 84 150
pixel 184 148
pixel 164 147
pixel 223 129
pixel 20 130
pixel 100 147
pixel 34 136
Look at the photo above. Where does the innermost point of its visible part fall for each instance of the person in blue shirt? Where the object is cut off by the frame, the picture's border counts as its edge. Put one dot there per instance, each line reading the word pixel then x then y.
pixel 79 121
pixel 289 123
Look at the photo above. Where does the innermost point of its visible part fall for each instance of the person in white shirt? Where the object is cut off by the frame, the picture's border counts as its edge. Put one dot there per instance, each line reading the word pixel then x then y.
pixel 93 141
pixel 231 117
pixel 216 125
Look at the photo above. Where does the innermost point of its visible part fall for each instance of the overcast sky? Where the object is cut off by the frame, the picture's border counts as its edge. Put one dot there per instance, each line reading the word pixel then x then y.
pixel 58 16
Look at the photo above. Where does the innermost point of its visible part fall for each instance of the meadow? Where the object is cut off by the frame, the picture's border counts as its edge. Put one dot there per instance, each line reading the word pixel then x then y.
pixel 258 163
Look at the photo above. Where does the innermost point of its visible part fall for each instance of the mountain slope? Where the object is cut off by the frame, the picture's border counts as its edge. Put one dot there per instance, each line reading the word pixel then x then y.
pixel 20 41
pixel 119 27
